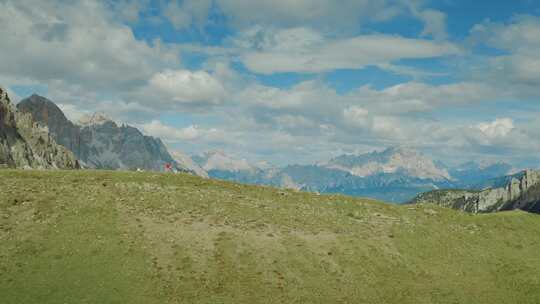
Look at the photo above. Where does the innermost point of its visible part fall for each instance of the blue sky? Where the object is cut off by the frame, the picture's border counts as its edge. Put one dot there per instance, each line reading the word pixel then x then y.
pixel 290 81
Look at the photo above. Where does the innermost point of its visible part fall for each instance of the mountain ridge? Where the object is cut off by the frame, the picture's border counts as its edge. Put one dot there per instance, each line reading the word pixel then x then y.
pixel 395 185
pixel 99 142
pixel 395 174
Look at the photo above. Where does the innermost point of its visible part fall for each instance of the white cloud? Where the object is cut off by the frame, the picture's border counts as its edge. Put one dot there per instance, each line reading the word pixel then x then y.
pixel 183 14
pixel 324 15
pixel 389 127
pixel 317 13
pixel 307 51
pixel 501 136
pixel 72 112
pixel 415 73
pixel 434 23
pixel 76 42
pixel 500 127
pixel 313 104
pixel 186 87
pixel 405 114
pixel 520 39
pixel 519 68
pixel 88 58
pixel 302 95
pixel 171 134
pixel 417 97
pixel 521 33
pixel 128 10
pixel 356 116
pixel 382 126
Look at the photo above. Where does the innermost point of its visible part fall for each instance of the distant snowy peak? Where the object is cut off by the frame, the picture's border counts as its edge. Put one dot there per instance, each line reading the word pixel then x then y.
pixel 392 160
pixel 218 160
pixel 96 119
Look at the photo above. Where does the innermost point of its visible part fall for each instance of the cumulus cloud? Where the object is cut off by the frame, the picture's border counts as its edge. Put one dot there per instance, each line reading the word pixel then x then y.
pixel 325 15
pixel 313 112
pixel 356 116
pixel 186 87
pixel 520 40
pixel 307 51
pixel 500 127
pixel 76 42
pixel 302 95
pixel 171 134
pixel 521 33
pixel 382 126
pixel 415 97
pixel 72 112
pixel 501 136
pixel 87 56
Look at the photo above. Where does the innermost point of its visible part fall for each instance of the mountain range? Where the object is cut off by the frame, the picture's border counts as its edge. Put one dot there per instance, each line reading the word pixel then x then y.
pixel 99 142
pixel 396 174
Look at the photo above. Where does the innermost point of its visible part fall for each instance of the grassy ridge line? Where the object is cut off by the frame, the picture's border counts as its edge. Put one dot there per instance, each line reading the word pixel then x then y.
pixel 121 237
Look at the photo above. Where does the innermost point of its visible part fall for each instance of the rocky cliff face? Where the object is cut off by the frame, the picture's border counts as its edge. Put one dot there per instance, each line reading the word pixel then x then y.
pixel 521 192
pixel 46 113
pixel 100 143
pixel 25 144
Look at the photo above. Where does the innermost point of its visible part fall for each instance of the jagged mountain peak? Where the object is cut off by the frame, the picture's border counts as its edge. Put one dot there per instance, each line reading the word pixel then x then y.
pixel 404 160
pixel 42 101
pixel 42 109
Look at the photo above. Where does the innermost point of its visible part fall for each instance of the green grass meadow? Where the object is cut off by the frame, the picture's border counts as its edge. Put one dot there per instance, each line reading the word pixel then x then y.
pixel 126 237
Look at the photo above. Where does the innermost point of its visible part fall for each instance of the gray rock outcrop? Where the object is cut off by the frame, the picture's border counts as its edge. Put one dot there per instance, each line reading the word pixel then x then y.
pixel 521 192
pixel 25 144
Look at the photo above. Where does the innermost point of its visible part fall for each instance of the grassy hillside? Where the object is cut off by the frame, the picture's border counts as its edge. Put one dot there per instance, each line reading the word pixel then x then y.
pixel 108 237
